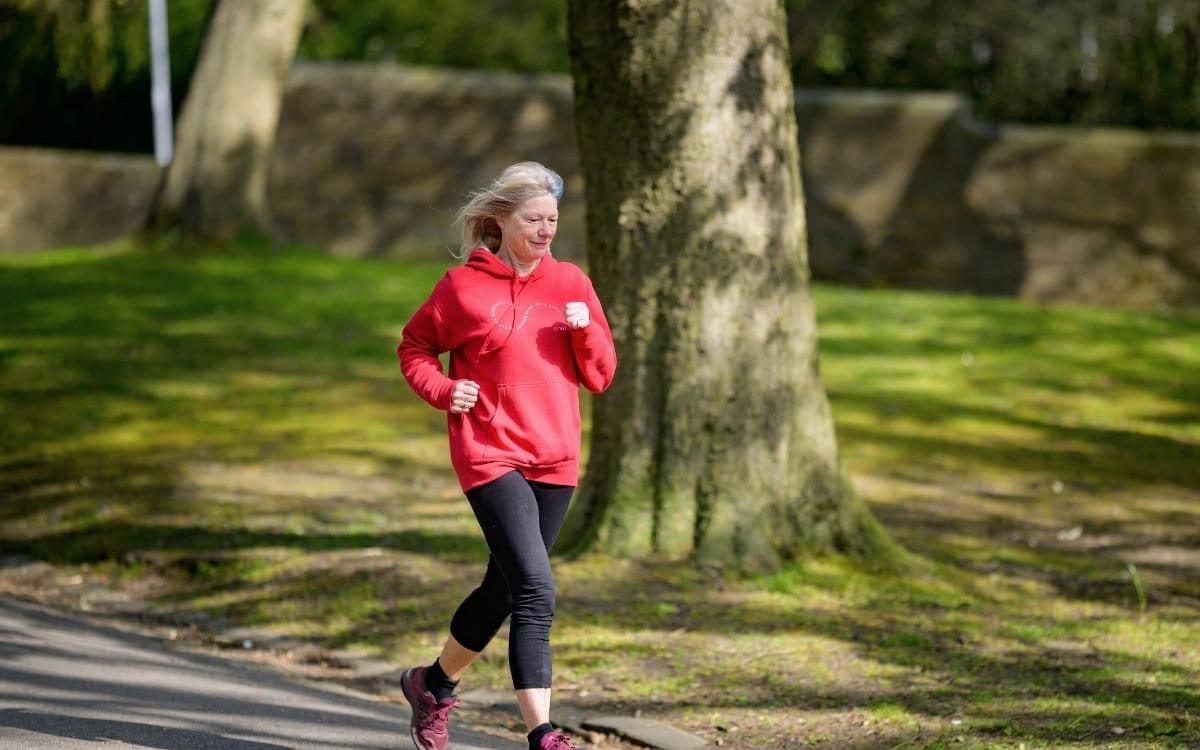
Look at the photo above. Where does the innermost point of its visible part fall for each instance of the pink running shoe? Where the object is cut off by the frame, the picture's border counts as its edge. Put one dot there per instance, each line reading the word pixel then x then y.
pixel 430 719
pixel 555 740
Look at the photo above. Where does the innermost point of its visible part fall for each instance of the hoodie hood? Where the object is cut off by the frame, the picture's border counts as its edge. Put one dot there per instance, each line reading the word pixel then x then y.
pixel 484 260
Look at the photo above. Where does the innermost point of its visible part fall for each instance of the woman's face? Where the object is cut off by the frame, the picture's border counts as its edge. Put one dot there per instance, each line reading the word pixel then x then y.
pixel 527 232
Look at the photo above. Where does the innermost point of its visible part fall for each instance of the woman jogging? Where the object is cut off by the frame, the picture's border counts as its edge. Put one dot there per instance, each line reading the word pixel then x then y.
pixel 523 332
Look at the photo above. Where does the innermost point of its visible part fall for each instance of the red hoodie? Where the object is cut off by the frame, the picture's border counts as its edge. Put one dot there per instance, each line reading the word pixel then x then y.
pixel 509 334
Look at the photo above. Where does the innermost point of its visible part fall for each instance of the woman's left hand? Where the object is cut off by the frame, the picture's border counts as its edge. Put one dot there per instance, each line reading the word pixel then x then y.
pixel 578 315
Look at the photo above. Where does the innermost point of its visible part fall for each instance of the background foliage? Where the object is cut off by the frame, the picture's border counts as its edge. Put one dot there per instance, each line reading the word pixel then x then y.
pixel 75 72
pixel 1120 62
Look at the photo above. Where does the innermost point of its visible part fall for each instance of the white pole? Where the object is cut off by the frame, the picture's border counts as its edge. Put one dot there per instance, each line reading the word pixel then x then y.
pixel 160 86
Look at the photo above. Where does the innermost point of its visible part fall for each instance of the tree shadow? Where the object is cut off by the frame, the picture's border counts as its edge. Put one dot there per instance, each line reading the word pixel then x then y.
pixel 152 699
pixel 945 670
pixel 1110 456
pixel 106 541
pixel 218 363
pixel 138 734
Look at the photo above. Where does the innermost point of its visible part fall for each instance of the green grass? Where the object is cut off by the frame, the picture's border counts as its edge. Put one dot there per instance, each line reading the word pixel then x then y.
pixel 225 435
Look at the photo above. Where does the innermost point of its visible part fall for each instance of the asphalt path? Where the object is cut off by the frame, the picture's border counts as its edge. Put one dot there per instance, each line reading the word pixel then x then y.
pixel 68 684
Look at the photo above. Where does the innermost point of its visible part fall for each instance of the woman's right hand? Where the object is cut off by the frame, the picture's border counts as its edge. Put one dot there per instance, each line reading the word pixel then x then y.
pixel 464 396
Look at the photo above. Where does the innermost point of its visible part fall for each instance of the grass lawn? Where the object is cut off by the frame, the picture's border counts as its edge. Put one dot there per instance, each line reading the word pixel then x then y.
pixel 226 439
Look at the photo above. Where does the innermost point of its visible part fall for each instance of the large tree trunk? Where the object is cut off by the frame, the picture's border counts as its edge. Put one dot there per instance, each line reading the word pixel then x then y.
pixel 716 439
pixel 216 184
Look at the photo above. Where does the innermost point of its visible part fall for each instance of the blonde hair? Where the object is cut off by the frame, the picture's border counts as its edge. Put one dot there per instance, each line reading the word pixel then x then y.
pixel 479 218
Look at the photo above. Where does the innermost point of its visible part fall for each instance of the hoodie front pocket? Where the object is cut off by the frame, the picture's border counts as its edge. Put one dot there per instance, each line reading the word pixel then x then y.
pixel 536 423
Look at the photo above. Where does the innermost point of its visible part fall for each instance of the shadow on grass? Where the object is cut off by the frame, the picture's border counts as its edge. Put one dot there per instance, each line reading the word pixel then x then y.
pixel 1111 456
pixel 1066 690
pixel 118 369
pixel 1053 348
pixel 107 541
pixel 193 348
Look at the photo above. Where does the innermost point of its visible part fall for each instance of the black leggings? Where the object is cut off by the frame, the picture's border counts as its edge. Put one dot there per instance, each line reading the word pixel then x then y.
pixel 520 521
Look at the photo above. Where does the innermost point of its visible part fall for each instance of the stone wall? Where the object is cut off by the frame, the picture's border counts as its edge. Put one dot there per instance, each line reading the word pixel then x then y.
pixel 902 190
pixel 909 191
pixel 52 198
pixel 376 159
pixel 1103 216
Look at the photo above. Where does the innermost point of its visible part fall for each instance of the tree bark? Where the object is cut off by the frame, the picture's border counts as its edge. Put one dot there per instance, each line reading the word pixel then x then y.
pixel 216 185
pixel 716 440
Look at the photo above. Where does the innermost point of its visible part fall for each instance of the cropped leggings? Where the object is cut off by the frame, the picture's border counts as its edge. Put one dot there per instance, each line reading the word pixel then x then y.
pixel 520 521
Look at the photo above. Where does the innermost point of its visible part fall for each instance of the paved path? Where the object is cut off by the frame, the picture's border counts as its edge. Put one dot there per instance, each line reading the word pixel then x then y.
pixel 67 684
